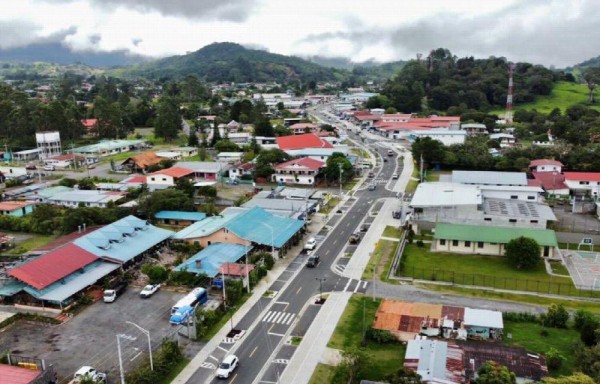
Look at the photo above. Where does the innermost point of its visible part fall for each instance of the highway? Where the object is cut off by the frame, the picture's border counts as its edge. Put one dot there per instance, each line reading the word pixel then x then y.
pixel 263 351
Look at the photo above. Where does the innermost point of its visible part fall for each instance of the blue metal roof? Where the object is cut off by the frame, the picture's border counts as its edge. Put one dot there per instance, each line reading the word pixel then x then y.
pixel 179 215
pixel 213 257
pixel 204 227
pixel 262 227
pixel 124 239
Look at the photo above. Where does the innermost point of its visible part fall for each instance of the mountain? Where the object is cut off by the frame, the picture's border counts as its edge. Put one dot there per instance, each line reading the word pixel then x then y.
pixel 55 52
pixel 369 70
pixel 225 62
pixel 593 62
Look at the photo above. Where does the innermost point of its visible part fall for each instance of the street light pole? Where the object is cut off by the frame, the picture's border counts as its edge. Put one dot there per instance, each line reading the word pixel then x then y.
pixel 147 333
pixel 340 166
pixel 321 280
pixel 119 354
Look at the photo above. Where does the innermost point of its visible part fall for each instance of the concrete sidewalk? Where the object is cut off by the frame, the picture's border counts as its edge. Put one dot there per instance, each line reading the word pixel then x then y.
pixel 314 343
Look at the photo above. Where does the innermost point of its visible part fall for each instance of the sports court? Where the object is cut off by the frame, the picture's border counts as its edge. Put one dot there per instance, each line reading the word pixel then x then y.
pixel 584 267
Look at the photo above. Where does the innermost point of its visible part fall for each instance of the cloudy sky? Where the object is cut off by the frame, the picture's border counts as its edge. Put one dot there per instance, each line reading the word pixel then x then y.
pixel 560 32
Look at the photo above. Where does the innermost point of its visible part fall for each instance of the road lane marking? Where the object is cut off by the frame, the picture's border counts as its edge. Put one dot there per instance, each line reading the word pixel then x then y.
pixel 327 253
pixel 283 303
pixel 347 284
pixel 136 356
pixel 252 353
pixel 234 377
pixel 365 284
pixel 357 285
pixel 335 242
pixel 299 289
pixel 212 357
pixel 276 334
pixel 223 349
pixel 277 317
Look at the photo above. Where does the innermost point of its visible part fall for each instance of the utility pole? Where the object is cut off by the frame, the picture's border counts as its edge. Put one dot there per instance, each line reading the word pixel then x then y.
pixel 340 166
pixel 321 280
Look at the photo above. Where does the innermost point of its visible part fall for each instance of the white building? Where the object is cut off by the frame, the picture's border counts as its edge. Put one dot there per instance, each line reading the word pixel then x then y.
pixel 583 182
pixel 486 178
pixel 48 143
pixel 169 176
pixel 298 171
pixel 92 198
pixel 359 97
pixel 545 165
pixel 474 129
pixel 230 157
pixel 445 136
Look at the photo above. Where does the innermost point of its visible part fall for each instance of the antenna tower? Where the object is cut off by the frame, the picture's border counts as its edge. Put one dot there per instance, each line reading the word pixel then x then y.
pixel 508 116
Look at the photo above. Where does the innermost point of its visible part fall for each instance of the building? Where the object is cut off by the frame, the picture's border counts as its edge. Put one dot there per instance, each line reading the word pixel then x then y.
pixel 16 208
pixel 320 154
pixel 359 97
pixel 230 157
pixel 436 361
pixel 445 136
pixel 204 169
pixel 210 260
pixel 552 182
pixel 303 171
pixel 307 140
pixel 474 129
pixel 240 170
pixel 27 155
pixel 178 218
pixel 48 143
pixel 254 226
pixel 171 155
pixel 301 128
pixel 90 126
pixel 12 172
pixel 240 138
pixel 141 162
pixel 504 139
pixel 545 165
pixel 583 182
pixel 109 147
pixel 26 371
pixel 69 160
pixel 488 240
pixel 169 176
pixel 185 151
pixel 86 198
pixel 486 178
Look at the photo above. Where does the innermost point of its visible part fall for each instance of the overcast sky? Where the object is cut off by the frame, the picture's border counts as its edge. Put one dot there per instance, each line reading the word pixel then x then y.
pixel 560 32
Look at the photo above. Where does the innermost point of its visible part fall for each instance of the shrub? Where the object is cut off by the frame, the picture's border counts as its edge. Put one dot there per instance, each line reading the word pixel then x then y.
pixel 581 317
pixel 420 243
pixel 556 317
pixel 521 317
pixel 554 359
pixel 156 273
pixel 380 336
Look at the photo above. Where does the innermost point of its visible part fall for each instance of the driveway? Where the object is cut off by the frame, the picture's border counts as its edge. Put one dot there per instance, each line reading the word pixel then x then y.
pixel 89 338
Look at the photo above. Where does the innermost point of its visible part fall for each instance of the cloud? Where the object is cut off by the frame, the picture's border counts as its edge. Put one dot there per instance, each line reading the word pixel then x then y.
pixel 224 10
pixel 22 33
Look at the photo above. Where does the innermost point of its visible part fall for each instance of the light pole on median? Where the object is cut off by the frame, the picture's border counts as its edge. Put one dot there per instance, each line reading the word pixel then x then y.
pixel 127 337
pixel 147 333
pixel 272 239
pixel 321 280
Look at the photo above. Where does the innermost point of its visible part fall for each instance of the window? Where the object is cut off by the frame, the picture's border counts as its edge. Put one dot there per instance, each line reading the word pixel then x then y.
pixel 533 221
pixel 455 243
pixel 480 244
pixel 514 197
pixel 487 219
pixel 512 220
pixel 164 179
pixel 442 241
pixel 152 178
pixel 467 243
pixel 530 197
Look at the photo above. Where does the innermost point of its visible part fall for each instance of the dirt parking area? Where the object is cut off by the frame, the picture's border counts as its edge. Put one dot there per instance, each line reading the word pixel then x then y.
pixel 90 338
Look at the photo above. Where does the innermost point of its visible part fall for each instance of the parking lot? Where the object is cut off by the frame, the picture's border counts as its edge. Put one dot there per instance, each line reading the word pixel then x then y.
pixel 90 338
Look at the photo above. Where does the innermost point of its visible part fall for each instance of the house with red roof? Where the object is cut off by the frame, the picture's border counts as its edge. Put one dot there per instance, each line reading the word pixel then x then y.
pixel 169 176
pixel 16 208
pixel 301 128
pixel 583 182
pixel 239 170
pixel 545 165
pixel 553 183
pixel 301 171
pixel 307 140
pixel 90 126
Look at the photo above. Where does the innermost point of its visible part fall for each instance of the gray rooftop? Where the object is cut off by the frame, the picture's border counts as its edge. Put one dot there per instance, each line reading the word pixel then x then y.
pixel 489 178
pixel 203 166
pixel 517 208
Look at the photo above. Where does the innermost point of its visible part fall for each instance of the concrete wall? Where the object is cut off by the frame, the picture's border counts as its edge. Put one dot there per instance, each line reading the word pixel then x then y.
pixel 509 195
pixel 220 236
pixel 476 248
pixel 160 179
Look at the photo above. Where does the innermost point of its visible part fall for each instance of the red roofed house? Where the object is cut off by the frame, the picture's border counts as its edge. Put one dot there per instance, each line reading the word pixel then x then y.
pixel 307 140
pixel 298 171
pixel 239 170
pixel 16 208
pixel 583 182
pixel 552 182
pixel 90 126
pixel 300 128
pixel 545 165
pixel 169 176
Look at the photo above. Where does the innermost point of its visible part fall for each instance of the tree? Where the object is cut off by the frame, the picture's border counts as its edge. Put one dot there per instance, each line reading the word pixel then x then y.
pixel 193 140
pixel 166 200
pixel 267 159
pixel 353 363
pixel 334 163
pixel 226 146
pixel 588 360
pixel 168 121
pixel 86 184
pixel 403 376
pixel 216 135
pixel 591 77
pixel 493 373
pixel 556 317
pixel 263 127
pixel 523 252
pixel 431 150
pixel 576 378
pixel 554 358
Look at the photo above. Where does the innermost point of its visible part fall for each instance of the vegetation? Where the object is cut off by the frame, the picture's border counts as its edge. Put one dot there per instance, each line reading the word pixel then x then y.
pixel 523 253
pixel 390 231
pixel 322 374
pixel 168 357
pixel 384 252
pixel 494 373
pixel 166 200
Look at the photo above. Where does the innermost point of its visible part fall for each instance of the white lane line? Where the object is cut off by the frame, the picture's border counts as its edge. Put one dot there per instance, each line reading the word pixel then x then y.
pixel 282 302
pixel 283 318
pixel 365 284
pixel 291 319
pixel 347 284
pixel 136 356
pixel 357 285
pixel 276 334
pixel 223 349
pixel 277 317
pixel 212 357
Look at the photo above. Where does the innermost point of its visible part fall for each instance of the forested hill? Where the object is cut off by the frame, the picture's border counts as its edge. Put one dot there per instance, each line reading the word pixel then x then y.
pixel 225 62
pixel 593 62
pixel 455 85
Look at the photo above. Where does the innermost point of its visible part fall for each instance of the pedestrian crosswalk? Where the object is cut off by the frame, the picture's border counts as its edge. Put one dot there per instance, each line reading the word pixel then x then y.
pixel 277 317
pixel 339 268
pixel 356 286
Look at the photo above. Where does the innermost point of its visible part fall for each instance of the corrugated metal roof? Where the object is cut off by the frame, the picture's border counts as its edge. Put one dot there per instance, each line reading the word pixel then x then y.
pixel 16 375
pixel 500 235
pixel 180 215
pixel 489 177
pixel 54 266
pixel 483 318
pixel 204 227
pixel 213 257
pixel 259 226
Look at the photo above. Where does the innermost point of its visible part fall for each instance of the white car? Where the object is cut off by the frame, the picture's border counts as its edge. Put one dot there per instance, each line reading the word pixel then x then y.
pixel 395 176
pixel 227 366
pixel 310 244
pixel 149 290
pixel 87 372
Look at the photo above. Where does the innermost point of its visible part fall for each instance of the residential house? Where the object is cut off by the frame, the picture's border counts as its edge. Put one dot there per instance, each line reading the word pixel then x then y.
pixel 230 157
pixel 487 240
pixel 504 139
pixel 302 171
pixel 90 126
pixel 301 128
pixel 178 218
pixel 320 154
pixel 27 154
pixel 16 208
pixel 486 178
pixel 307 140
pixel 474 129
pixel 206 170
pixel 13 172
pixel 67 161
pixel 211 259
pixel 170 155
pixel 436 361
pixel 169 176
pixel 240 138
pixel 552 182
pixel 92 198
pixel 140 163
pixel 545 165
pixel 109 147
pixel 583 182
pixel 443 135
pixel 185 151
pixel 241 170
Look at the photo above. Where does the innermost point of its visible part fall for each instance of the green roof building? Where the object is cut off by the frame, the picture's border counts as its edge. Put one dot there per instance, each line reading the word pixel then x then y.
pixel 487 240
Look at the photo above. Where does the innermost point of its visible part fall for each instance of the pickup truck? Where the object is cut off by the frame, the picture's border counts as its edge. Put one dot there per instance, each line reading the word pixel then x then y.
pixel 111 295
pixel 87 372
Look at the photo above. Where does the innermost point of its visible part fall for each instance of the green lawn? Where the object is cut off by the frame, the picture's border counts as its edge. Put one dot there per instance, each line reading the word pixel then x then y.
pixel 390 231
pixel 384 358
pixel 383 253
pixel 573 246
pixel 34 242
pixel 512 297
pixel 563 95
pixel 329 205
pixel 527 335
pixel 432 175
pixel 175 370
pixel 322 374
pixel 350 184
pixel 487 271
pixel 558 268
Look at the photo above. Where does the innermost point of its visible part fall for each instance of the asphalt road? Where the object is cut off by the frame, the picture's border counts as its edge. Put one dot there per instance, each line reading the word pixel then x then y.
pixel 262 351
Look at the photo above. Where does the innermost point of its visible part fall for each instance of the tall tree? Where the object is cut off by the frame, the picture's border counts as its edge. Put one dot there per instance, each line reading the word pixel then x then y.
pixel 168 121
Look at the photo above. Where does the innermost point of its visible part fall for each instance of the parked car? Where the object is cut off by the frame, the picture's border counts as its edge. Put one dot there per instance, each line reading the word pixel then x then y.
pixel 354 238
pixel 87 372
pixel 30 167
pixel 149 290
pixel 371 174
pixel 110 295
pixel 372 186
pixel 227 366
pixel 313 260
pixel 395 176
pixel 397 214
pixel 310 244
pixel 390 152
pixel 49 168
pixel 364 227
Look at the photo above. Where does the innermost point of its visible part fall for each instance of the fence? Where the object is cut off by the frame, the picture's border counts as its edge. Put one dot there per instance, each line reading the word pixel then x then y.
pixel 505 283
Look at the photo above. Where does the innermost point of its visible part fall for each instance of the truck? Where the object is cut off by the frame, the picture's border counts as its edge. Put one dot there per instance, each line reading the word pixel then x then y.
pixel 87 372
pixel 111 295
pixel 181 315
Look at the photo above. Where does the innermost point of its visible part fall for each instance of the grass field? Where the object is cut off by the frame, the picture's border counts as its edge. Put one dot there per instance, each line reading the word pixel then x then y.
pixel 390 231
pixel 34 242
pixel 527 335
pixel 383 253
pixel 558 268
pixel 512 297
pixel 330 205
pixel 384 358
pixel 322 374
pixel 487 271
pixel 563 96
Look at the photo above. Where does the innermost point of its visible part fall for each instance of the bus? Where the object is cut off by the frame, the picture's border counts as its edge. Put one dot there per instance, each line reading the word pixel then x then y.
pixel 197 296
